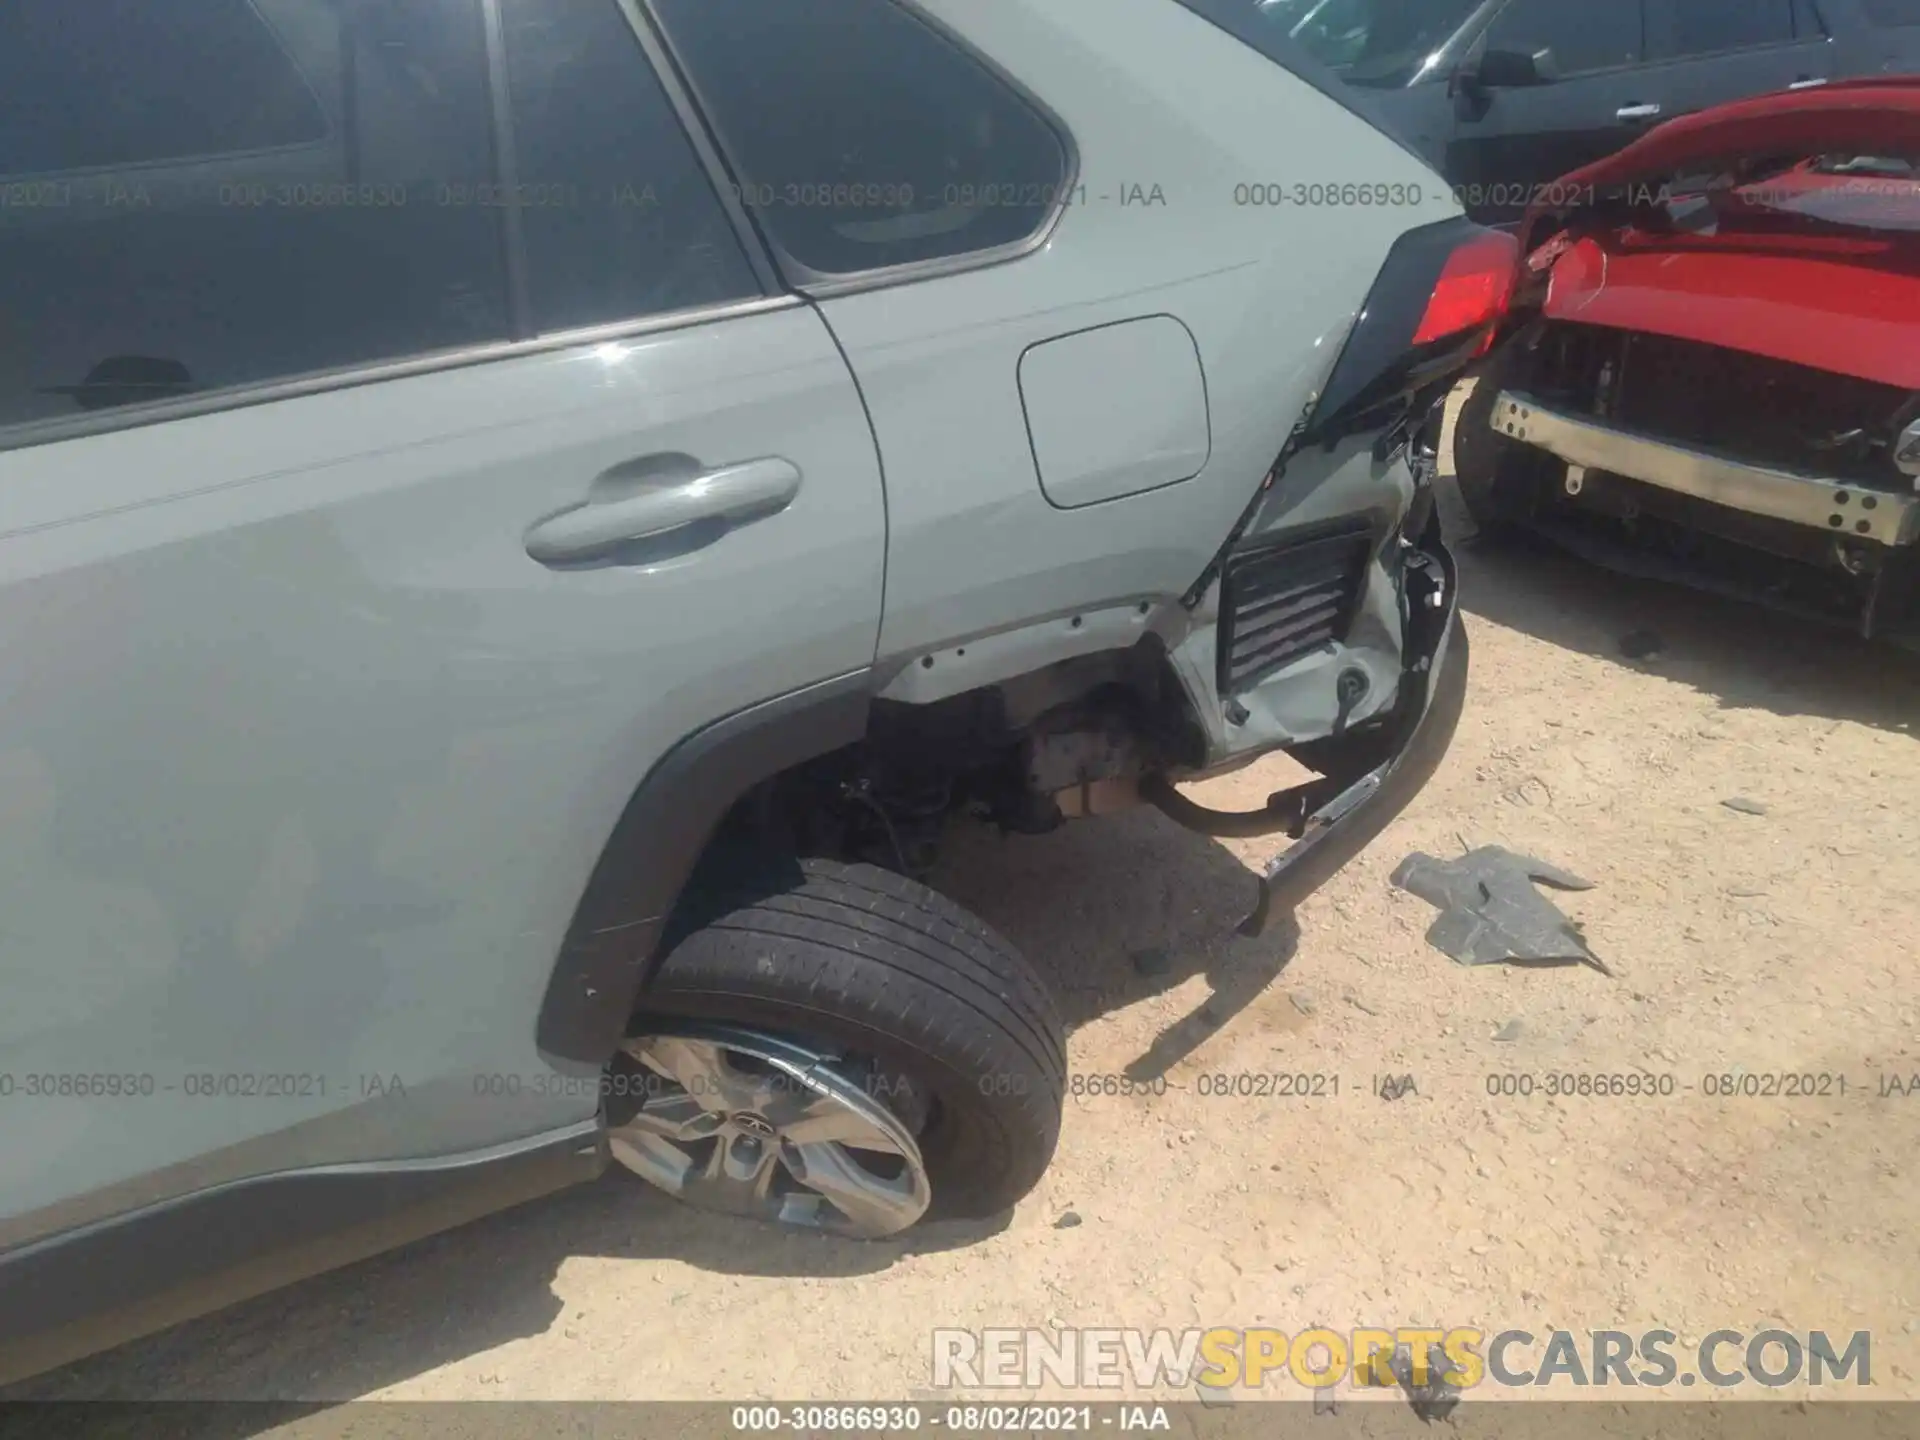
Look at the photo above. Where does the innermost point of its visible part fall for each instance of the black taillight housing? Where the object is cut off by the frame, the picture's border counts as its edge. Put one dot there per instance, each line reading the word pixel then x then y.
pixel 1437 306
pixel 1434 309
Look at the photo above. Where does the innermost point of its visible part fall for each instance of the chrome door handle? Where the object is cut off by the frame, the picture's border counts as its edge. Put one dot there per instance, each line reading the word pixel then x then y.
pixel 1637 112
pixel 733 494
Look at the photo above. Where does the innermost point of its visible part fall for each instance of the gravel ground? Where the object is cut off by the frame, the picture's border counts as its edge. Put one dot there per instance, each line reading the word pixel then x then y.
pixel 1776 941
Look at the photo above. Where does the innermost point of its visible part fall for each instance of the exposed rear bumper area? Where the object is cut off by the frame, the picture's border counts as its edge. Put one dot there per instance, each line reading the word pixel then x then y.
pixel 1432 695
pixel 1815 503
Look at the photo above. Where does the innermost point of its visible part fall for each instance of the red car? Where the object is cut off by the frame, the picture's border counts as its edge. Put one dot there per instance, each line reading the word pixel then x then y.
pixel 1712 373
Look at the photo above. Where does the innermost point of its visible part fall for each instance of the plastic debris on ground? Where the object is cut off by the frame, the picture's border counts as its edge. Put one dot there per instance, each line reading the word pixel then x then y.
pixel 1492 914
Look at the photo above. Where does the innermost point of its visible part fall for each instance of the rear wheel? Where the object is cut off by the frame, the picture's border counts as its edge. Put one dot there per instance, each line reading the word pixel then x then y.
pixel 835 1046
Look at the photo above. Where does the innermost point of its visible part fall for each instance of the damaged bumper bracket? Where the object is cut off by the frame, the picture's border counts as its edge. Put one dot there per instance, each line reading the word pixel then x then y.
pixel 1433 692
pixel 1807 500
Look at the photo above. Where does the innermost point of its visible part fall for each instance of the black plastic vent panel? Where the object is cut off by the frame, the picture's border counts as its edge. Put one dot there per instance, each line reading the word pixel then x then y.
pixel 1282 601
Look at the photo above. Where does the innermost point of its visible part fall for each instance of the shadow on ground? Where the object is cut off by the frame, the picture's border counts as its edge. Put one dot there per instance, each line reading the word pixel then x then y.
pixel 1112 913
pixel 1747 656
pixel 457 1294
pixel 1116 912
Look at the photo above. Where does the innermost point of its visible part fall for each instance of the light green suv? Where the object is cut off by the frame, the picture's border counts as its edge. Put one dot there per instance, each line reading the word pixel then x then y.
pixel 523 521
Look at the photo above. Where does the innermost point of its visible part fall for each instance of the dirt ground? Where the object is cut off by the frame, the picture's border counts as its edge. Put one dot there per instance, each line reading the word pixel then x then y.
pixel 1782 941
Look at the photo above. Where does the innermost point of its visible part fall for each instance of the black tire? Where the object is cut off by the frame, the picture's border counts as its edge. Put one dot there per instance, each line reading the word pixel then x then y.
pixel 871 961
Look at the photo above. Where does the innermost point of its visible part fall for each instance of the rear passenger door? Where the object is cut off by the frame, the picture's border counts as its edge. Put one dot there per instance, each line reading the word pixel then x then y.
pixel 1509 142
pixel 337 620
pixel 1708 52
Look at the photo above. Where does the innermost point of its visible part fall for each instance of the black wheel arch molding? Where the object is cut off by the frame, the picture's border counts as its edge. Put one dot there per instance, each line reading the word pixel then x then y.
pixel 613 944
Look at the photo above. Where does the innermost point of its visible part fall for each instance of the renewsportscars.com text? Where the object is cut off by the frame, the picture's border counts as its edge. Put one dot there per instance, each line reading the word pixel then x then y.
pixel 1461 1357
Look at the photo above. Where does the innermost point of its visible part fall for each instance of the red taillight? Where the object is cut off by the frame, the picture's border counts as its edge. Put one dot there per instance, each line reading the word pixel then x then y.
pixel 1474 289
pixel 1435 307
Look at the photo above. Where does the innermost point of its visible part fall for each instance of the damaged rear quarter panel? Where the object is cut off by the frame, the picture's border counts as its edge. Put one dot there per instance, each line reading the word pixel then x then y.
pixel 1154 99
pixel 1301 702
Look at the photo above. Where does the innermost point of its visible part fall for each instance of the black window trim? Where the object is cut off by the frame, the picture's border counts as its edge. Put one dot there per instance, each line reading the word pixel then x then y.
pixel 706 151
pixel 824 285
pixel 520 343
pixel 506 154
pixel 506 172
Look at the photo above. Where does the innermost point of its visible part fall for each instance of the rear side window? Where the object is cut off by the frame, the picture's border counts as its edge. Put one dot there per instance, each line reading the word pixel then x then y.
pixel 618 216
pixel 1708 27
pixel 1894 13
pixel 127 82
pixel 861 137
pixel 1583 35
pixel 202 194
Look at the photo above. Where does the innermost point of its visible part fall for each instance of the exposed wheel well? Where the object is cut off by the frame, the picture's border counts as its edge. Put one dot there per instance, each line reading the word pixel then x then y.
pixel 833 771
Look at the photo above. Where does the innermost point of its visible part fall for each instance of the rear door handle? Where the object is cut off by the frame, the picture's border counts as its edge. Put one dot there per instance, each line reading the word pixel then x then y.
pixel 732 494
pixel 1637 112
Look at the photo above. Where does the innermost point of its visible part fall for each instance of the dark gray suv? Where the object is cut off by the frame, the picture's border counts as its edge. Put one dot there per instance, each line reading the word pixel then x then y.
pixel 1506 96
